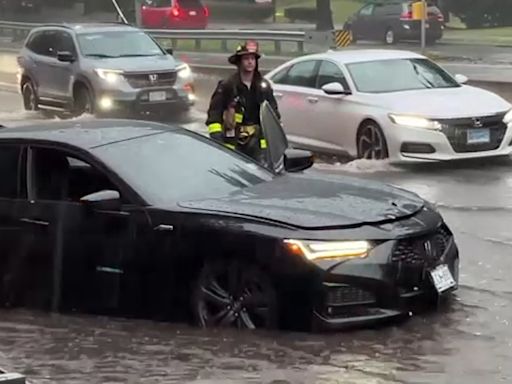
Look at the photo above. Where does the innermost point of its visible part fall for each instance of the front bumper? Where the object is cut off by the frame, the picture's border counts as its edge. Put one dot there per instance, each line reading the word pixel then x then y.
pixel 390 284
pixel 157 100
pixel 409 144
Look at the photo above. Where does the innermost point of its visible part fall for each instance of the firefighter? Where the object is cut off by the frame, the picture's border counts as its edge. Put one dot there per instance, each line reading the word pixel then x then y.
pixel 234 111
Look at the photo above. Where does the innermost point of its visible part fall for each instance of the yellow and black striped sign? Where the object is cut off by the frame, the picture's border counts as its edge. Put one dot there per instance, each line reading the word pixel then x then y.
pixel 342 38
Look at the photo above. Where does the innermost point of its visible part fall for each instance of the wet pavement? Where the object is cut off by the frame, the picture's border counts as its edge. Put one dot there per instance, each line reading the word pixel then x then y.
pixel 466 342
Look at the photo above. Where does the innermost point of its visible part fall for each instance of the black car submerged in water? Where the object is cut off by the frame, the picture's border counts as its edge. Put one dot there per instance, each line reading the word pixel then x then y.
pixel 137 218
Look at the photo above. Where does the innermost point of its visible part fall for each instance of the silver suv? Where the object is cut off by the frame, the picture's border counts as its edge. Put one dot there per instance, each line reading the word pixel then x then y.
pixel 101 69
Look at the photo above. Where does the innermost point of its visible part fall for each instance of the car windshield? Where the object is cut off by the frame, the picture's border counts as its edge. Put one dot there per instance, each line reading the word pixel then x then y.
pixel 397 75
pixel 118 44
pixel 178 165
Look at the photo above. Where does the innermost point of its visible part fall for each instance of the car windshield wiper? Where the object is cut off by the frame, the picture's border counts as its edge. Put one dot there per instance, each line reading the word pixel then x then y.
pixel 422 78
pixel 138 55
pixel 101 55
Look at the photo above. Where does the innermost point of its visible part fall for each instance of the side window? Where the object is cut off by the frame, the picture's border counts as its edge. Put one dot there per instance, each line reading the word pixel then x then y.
pixel 366 11
pixel 302 74
pixel 43 43
pixel 280 77
pixel 10 162
pixel 65 42
pixel 330 73
pixel 58 176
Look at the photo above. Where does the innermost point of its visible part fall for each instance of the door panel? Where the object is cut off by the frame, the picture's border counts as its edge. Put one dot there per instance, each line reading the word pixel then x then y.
pixel 76 252
pixel 336 114
pixel 294 94
pixel 12 190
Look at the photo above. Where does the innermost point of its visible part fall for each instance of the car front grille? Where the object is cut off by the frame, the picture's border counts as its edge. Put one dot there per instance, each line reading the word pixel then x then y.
pixel 341 294
pixel 149 80
pixel 456 130
pixel 422 250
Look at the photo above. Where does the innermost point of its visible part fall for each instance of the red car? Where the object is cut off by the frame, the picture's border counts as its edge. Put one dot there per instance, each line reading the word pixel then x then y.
pixel 175 14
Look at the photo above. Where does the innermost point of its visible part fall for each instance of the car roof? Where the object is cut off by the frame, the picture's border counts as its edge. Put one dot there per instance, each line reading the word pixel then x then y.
pixel 92 27
pixel 86 134
pixel 348 56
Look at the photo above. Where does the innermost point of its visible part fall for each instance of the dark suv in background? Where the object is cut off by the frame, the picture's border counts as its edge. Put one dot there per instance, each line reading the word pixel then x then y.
pixel 391 22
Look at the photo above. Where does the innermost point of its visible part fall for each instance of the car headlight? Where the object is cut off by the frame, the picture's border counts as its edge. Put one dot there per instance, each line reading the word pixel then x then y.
pixel 109 75
pixel 508 117
pixel 414 121
pixel 318 250
pixel 184 71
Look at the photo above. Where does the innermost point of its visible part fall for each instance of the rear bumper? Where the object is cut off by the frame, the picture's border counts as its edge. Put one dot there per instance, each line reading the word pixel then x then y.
pixel 411 30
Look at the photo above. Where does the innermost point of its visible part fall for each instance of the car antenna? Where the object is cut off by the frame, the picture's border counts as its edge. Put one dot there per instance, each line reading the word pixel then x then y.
pixel 119 12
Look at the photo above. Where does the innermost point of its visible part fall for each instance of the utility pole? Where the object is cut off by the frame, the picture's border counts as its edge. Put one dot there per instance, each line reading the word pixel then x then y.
pixel 423 26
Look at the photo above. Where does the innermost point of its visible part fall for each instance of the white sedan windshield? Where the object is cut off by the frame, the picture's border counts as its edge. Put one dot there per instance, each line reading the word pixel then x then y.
pixel 399 75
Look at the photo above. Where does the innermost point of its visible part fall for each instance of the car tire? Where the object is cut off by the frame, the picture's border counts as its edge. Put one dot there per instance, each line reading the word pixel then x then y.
pixel 371 142
pixel 228 293
pixel 30 99
pixel 390 37
pixel 83 101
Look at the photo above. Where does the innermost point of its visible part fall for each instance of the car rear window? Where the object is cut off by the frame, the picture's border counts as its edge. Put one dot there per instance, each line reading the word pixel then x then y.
pixel 10 157
pixel 190 3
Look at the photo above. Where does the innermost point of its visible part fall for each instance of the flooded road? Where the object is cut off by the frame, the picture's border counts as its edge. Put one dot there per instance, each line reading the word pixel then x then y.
pixel 469 341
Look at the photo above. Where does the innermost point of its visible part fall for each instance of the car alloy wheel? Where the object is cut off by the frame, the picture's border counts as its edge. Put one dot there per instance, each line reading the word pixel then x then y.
pixel 232 294
pixel 390 37
pixel 29 97
pixel 371 143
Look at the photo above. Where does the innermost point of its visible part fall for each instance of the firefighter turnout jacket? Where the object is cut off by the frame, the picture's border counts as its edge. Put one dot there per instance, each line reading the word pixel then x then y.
pixel 234 112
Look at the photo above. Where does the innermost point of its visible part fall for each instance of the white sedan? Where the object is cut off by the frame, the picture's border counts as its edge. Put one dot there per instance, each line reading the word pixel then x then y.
pixel 376 104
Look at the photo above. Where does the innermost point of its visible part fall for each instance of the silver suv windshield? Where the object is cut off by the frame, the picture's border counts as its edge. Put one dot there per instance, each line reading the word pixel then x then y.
pixel 117 44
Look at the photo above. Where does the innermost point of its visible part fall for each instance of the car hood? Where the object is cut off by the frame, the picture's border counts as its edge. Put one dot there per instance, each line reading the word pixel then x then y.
pixel 316 202
pixel 465 101
pixel 138 64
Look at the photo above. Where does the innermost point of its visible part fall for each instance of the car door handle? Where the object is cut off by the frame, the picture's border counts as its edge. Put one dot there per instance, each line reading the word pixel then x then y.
pixel 35 222
pixel 312 100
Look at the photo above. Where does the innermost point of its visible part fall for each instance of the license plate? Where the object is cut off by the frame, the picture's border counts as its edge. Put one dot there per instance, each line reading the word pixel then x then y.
pixel 442 278
pixel 192 13
pixel 157 96
pixel 477 136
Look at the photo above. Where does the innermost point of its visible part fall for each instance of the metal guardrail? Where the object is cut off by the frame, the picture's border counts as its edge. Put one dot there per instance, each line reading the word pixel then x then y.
pixel 18 31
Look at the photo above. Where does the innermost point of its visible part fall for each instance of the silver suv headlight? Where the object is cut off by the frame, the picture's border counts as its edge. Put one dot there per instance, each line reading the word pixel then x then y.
pixel 111 76
pixel 184 71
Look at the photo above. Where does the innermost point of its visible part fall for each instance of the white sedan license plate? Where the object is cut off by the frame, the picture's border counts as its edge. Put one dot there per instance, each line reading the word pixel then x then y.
pixel 442 278
pixel 157 96
pixel 478 136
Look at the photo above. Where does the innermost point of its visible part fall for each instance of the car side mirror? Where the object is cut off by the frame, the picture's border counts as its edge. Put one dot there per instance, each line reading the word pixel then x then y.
pixel 461 79
pixel 106 200
pixel 335 89
pixel 296 160
pixel 65 57
pixel 169 51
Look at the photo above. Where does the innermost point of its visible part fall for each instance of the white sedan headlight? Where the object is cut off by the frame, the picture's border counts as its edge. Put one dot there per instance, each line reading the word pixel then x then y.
pixel 109 75
pixel 184 71
pixel 318 250
pixel 414 121
pixel 508 117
